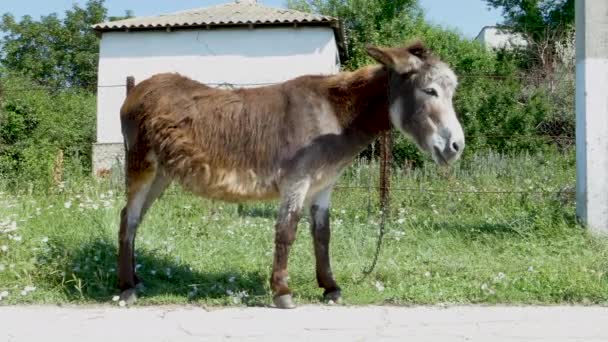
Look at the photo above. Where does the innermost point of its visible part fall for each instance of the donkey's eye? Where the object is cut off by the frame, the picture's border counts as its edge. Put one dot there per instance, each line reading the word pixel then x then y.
pixel 431 91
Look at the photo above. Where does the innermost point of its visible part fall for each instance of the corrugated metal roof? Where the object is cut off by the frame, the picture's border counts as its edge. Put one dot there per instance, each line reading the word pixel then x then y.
pixel 239 12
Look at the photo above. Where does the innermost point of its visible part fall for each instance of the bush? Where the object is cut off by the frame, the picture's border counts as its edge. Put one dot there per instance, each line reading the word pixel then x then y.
pixel 45 135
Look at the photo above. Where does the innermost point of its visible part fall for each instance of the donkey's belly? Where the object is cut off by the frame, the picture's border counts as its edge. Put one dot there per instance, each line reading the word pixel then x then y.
pixel 233 185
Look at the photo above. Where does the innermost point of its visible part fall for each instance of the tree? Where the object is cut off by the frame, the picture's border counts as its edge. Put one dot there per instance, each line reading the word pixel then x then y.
pixel 366 21
pixel 548 26
pixel 55 52
pixel 534 17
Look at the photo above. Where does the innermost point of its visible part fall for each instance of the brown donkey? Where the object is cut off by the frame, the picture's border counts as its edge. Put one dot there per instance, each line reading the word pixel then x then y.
pixel 287 141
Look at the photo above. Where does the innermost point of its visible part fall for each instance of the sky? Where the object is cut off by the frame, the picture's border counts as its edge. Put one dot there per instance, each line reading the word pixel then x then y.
pixel 466 16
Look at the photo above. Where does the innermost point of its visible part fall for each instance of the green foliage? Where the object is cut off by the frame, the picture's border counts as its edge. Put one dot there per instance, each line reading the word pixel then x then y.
pixel 535 17
pixel 35 124
pixel 366 21
pixel 55 52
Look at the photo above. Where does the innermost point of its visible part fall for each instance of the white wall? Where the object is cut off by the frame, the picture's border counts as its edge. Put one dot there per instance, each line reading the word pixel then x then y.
pixel 492 38
pixel 237 56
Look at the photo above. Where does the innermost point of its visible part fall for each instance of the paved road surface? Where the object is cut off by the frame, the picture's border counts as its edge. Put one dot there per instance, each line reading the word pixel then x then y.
pixel 306 323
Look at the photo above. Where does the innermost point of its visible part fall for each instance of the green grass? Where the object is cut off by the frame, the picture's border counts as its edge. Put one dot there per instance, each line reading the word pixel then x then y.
pixel 440 247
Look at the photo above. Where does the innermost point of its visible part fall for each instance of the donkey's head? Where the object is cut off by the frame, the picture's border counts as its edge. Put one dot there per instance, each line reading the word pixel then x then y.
pixel 421 88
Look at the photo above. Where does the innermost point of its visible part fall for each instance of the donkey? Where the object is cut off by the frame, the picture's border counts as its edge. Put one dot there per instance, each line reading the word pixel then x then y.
pixel 288 141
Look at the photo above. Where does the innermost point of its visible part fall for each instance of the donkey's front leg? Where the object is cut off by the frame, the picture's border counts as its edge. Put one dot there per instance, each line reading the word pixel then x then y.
pixel 285 234
pixel 319 224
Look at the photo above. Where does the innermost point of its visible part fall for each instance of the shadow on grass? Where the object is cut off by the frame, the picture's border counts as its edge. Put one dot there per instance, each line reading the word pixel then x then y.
pixel 91 276
pixel 477 228
pixel 522 226
pixel 252 210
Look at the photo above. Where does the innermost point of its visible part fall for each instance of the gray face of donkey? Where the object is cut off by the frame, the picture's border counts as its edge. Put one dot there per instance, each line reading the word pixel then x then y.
pixel 421 89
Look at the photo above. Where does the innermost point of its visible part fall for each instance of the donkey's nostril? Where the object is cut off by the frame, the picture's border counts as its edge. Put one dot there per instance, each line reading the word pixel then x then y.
pixel 455 146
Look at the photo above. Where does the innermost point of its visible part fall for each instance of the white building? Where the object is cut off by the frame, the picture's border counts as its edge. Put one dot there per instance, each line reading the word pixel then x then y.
pixel 493 37
pixel 241 43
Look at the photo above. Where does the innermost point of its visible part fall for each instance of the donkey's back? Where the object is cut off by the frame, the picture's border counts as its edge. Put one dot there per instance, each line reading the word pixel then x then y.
pixel 222 144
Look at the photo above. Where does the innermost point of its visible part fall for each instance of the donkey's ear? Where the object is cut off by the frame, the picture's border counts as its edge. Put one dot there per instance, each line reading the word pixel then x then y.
pixel 418 49
pixel 383 56
pixel 399 59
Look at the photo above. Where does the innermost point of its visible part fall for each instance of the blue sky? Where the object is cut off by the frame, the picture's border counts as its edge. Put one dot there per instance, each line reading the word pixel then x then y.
pixel 467 16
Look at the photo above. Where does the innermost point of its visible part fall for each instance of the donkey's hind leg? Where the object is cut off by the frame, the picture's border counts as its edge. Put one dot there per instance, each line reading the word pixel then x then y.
pixel 145 183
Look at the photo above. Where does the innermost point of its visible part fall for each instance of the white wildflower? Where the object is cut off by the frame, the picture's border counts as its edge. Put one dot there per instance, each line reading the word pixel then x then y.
pixel 2 267
pixel 115 298
pixel 531 269
pixel 3 294
pixel 153 272
pixel 122 303
pixel 45 239
pixel 379 286
pixel 17 238
pixel 67 204
pixel 401 221
pixel 499 277
pixel 427 274
pixel 231 279
pixel 30 288
pixel 4 248
pixel 487 289
pixel 10 227
pixel 24 293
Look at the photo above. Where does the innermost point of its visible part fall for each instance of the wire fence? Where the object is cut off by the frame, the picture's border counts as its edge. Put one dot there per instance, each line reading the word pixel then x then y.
pixel 385 160
pixel 231 85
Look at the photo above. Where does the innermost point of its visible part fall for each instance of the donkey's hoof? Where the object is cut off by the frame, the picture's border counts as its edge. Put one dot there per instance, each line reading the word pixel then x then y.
pixel 284 301
pixel 128 297
pixel 333 297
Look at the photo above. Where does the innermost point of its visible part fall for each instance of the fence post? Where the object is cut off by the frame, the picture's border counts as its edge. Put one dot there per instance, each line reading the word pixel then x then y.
pixel 592 114
pixel 130 83
pixel 386 147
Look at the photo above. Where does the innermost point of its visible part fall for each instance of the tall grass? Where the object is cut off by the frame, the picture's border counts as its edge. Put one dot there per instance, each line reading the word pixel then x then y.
pixel 440 247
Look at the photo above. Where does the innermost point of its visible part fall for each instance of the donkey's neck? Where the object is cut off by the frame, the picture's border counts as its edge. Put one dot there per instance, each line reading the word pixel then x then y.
pixel 360 101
